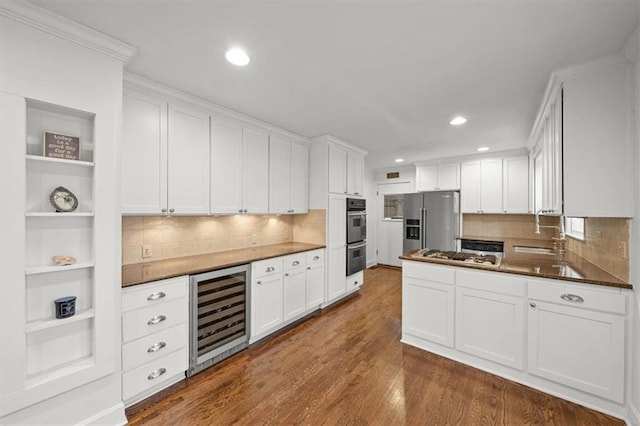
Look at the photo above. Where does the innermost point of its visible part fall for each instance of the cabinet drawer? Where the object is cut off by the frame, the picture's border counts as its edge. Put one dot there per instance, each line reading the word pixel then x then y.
pixel 266 267
pixel 491 281
pixel 293 261
pixel 153 373
pixel 314 257
pixel 597 298
pixel 154 293
pixel 355 280
pixel 425 271
pixel 143 322
pixel 152 347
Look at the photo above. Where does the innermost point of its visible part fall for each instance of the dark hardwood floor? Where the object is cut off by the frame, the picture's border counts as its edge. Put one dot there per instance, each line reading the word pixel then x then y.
pixel 346 365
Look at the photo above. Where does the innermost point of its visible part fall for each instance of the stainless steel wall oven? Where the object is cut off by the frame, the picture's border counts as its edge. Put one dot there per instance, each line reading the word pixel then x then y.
pixel 356 235
pixel 219 324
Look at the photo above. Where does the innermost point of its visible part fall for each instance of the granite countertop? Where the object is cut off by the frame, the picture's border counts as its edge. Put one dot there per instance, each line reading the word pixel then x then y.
pixel 140 273
pixel 568 267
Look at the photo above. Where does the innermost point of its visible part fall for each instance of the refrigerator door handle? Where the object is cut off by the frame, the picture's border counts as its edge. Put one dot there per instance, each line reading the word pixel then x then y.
pixel 423 228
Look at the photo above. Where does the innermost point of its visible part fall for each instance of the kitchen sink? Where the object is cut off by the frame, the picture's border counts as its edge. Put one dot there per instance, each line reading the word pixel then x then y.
pixel 534 250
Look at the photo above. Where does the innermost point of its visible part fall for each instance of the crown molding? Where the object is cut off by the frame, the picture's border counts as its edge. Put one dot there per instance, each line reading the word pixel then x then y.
pixel 34 16
pixel 138 83
pixel 337 141
pixel 631 48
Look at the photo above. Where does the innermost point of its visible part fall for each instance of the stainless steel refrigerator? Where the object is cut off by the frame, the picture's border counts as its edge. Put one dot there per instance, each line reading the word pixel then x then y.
pixel 431 220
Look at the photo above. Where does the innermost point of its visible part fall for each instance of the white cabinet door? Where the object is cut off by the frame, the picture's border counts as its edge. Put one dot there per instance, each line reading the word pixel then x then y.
pixel 491 326
pixel 427 310
pixel 226 167
pixel 279 175
pixel 579 348
pixel 491 185
pixel 188 159
pixel 426 178
pixel 144 154
pixel 315 286
pixel 255 176
pixel 448 176
pixel 336 246
pixel 337 272
pixel 299 201
pixel 470 187
pixel 337 170
pixel 355 173
pixel 294 293
pixel 515 193
pixel 267 303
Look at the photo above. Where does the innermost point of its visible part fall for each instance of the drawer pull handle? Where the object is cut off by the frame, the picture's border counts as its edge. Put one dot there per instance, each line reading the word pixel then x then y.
pixel 532 304
pixel 157 373
pixel 157 319
pixel 316 257
pixel 286 274
pixel 295 263
pixel 270 269
pixel 156 296
pixel 572 298
pixel 309 267
pixel 156 347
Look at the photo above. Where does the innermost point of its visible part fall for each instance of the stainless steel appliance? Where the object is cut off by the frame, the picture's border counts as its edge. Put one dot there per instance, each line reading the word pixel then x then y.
pixel 484 253
pixel 483 248
pixel 431 220
pixel 219 324
pixel 356 235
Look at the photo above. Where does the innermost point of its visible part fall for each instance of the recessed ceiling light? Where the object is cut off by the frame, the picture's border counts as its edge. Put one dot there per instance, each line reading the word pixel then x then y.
pixel 483 149
pixel 399 160
pixel 456 121
pixel 237 56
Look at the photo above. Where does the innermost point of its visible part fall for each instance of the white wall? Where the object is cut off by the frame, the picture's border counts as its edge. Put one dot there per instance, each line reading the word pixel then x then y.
pixel 635 239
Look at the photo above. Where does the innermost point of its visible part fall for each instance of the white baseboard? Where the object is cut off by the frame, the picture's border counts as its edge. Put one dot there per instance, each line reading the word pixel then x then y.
pixel 111 416
pixel 634 415
pixel 371 263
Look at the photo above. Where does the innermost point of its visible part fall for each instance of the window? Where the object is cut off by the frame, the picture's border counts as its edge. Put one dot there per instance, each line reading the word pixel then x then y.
pixel 393 206
pixel 574 227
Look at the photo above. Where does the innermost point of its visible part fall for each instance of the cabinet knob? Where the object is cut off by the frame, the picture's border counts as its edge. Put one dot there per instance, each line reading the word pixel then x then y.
pixel 164 210
pixel 156 347
pixel 316 257
pixel 156 320
pixel 572 298
pixel 157 373
pixel 532 304
pixel 245 210
pixel 258 282
pixel 172 210
pixel 240 211
pixel 309 267
pixel 286 274
pixel 295 263
pixel 156 296
pixel 355 283
pixel 270 269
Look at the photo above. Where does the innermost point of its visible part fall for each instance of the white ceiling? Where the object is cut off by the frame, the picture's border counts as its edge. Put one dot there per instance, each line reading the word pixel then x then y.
pixel 384 75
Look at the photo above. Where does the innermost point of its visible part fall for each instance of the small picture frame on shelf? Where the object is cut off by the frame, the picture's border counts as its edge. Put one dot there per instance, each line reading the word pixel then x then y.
pixel 57 145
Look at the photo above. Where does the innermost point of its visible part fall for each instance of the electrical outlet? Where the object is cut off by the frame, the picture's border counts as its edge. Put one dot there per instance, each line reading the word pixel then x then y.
pixel 599 237
pixel 146 251
pixel 254 238
pixel 286 235
pixel 622 249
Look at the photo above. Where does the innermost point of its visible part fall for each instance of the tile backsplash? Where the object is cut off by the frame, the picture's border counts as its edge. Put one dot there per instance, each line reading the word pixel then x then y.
pixel 606 242
pixel 177 236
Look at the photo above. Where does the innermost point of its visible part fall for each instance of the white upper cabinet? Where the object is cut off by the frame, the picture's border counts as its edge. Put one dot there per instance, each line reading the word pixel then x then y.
pixel 288 177
pixel 188 160
pixel 441 177
pixel 144 154
pixel 481 186
pixel 515 184
pixel 239 169
pixel 346 171
pixel 582 143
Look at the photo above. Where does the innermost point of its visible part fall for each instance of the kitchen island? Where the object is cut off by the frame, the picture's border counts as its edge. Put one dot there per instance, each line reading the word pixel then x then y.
pixel 557 324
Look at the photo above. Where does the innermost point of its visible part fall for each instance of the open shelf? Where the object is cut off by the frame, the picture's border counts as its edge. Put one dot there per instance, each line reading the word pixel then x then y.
pixel 59 214
pixel 60 371
pixel 34 326
pixel 34 270
pixel 60 161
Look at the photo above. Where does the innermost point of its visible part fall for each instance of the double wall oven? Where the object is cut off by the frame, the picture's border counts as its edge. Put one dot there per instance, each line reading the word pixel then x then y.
pixel 356 235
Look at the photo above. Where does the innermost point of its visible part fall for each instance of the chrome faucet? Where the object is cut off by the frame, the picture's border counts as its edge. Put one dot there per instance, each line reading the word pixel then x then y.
pixel 561 231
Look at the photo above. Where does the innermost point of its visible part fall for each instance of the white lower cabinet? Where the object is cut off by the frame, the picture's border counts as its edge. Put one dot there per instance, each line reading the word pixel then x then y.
pixel 565 338
pixel 285 289
pixel 578 347
pixel 354 281
pixel 337 267
pixel 154 337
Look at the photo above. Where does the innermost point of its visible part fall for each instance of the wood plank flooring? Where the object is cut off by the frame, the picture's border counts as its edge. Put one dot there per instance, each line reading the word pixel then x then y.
pixel 346 366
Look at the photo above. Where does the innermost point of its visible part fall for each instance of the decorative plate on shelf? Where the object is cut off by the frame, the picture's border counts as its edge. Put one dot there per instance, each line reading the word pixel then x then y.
pixel 63 200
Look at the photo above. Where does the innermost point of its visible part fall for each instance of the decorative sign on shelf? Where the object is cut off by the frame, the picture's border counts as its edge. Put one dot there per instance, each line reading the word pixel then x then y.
pixel 57 145
pixel 65 307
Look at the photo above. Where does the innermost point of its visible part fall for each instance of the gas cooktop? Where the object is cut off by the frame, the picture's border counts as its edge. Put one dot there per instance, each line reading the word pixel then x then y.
pixel 478 259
